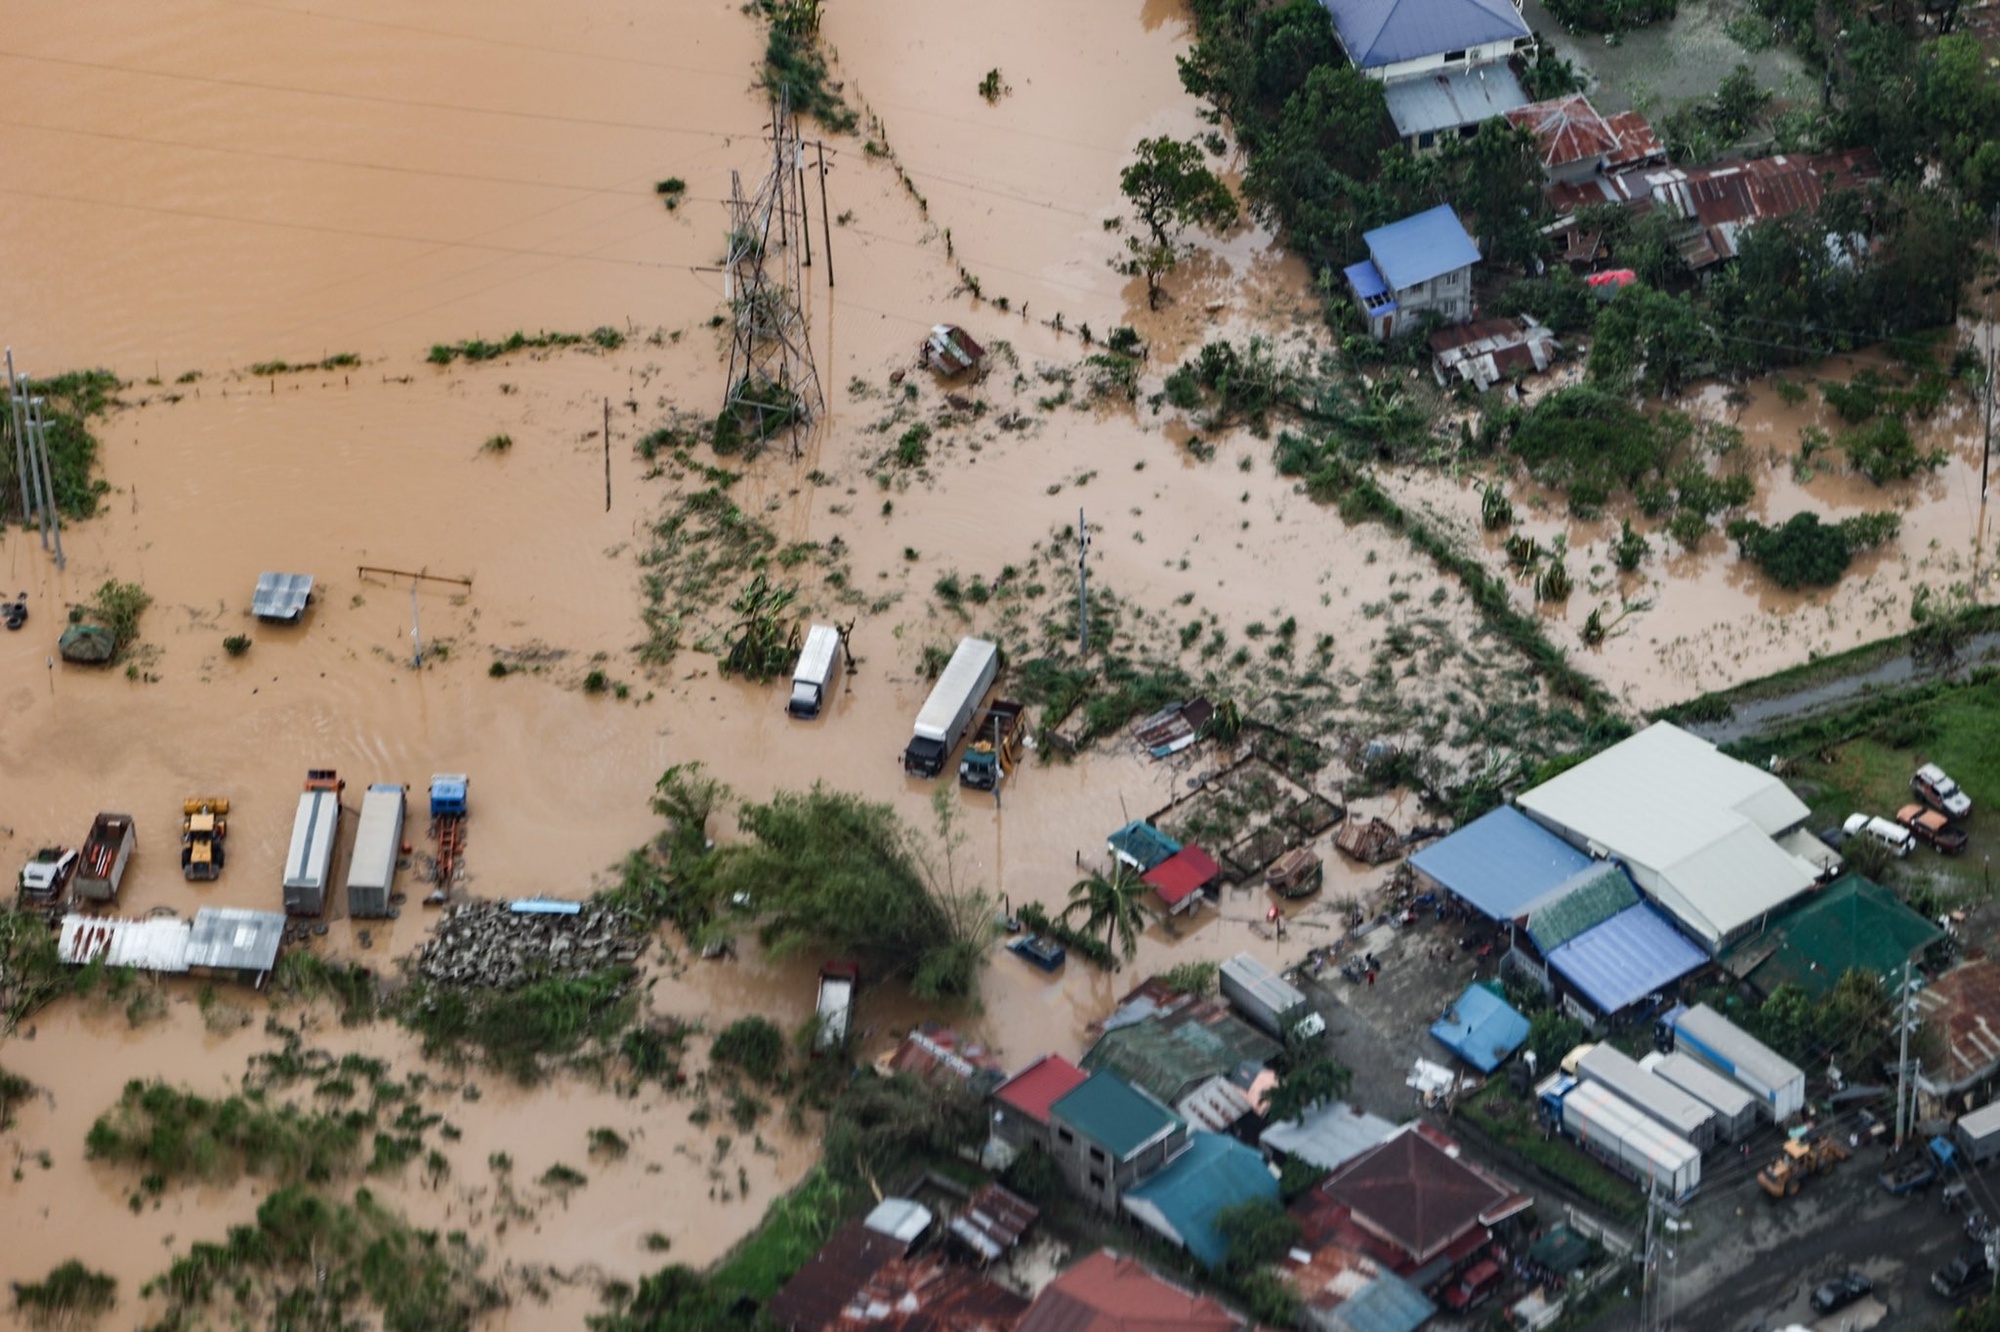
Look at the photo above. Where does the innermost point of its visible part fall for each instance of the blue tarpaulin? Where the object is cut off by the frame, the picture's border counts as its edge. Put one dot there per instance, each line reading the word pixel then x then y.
pixel 1481 1028
pixel 1626 958
pixel 1141 845
pixel 1501 862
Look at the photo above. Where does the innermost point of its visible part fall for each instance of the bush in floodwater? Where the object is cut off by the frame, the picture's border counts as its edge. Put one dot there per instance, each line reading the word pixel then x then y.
pixel 596 682
pixel 563 1178
pixel 608 1143
pixel 498 670
pixel 753 1044
pixel 177 1134
pixel 69 1294
pixel 236 644
pixel 498 444
pixel 517 1030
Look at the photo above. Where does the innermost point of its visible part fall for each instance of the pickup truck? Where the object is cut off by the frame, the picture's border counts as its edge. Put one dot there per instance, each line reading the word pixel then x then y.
pixel 1912 1176
pixel 1933 829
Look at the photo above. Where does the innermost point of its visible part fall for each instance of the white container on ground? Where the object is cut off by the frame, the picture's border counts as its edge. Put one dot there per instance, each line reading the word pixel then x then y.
pixel 378 844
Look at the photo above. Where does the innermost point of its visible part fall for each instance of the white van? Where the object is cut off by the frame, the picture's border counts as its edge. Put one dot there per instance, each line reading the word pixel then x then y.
pixel 1895 836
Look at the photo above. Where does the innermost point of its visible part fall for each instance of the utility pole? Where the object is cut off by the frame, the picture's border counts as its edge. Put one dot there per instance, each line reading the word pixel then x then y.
pixel 825 218
pixel 52 519
pixel 14 393
pixel 416 631
pixel 1906 1022
pixel 1082 583
pixel 607 455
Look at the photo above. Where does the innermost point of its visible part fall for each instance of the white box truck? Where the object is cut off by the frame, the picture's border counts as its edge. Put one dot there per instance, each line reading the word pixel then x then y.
pixel 813 676
pixel 1679 1111
pixel 1978 1134
pixel 948 711
pixel 315 830
pixel 1606 1127
pixel 1268 1000
pixel 378 843
pixel 1712 1039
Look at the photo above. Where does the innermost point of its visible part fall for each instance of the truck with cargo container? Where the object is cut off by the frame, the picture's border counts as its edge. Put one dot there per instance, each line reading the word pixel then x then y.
pixel 1978 1134
pixel 378 844
pixel 1735 1108
pixel 1268 1000
pixel 993 747
pixel 948 711
pixel 1709 1038
pixel 813 676
pixel 1653 1096
pixel 106 853
pixel 315 831
pixel 1605 1127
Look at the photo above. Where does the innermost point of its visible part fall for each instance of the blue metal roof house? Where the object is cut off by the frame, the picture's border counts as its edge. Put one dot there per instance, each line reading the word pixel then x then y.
pixel 1444 63
pixel 1181 1203
pixel 1420 265
pixel 1481 1028
pixel 1501 863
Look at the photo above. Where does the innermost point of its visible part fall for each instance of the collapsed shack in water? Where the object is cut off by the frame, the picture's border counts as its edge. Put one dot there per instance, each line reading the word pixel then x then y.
pixel 491 945
pixel 221 943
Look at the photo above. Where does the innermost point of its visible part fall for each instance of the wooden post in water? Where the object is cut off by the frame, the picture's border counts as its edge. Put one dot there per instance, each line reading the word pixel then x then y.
pixel 607 455
pixel 825 218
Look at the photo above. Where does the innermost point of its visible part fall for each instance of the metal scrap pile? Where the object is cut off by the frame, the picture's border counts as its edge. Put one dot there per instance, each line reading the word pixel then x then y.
pixel 486 944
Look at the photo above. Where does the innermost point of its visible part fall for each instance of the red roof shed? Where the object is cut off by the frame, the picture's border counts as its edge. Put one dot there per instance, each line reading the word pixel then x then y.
pixel 1180 876
pixel 1040 1085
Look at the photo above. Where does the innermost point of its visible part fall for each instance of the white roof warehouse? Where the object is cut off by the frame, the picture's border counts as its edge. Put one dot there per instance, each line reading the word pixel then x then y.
pixel 1716 842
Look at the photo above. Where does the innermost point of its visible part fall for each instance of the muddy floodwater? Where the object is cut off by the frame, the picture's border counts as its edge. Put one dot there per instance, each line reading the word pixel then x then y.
pixel 199 187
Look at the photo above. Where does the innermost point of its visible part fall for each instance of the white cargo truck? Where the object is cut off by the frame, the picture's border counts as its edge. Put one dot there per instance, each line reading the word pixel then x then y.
pixel 1681 1112
pixel 1614 1132
pixel 948 711
pixel 1268 1000
pixel 315 831
pixel 813 676
pixel 378 844
pixel 1712 1039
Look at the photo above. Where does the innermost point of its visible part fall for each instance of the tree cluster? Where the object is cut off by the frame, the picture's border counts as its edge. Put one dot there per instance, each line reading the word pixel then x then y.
pixel 1805 552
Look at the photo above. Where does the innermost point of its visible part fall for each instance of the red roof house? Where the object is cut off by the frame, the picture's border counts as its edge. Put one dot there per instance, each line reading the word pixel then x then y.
pixel 1026 1097
pixel 1109 1293
pixel 1415 1195
pixel 1181 877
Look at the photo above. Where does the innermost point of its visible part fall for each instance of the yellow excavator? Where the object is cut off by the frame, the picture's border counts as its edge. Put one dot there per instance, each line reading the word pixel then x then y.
pixel 1800 1161
pixel 204 823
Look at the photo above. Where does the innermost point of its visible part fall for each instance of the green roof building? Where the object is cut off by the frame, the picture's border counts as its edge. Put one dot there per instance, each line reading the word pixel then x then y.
pixel 1109 1136
pixel 1850 925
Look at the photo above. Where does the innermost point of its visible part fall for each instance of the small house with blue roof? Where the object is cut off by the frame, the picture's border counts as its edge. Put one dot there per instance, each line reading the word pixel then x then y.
pixel 1421 265
pixel 1444 64
pixel 1183 1202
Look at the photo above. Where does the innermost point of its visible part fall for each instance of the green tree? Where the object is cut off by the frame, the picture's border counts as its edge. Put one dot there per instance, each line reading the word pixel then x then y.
pixel 1651 338
pixel 1314 1080
pixel 686 796
pixel 1498 191
pixel 1552 1034
pixel 1256 1233
pixel 1787 1022
pixel 1110 902
pixel 1171 189
pixel 1853 1019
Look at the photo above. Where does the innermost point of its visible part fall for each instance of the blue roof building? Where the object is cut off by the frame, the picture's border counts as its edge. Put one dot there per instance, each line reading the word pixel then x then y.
pixel 1182 1202
pixel 1444 63
pixel 1420 265
pixel 1481 1028
pixel 1501 864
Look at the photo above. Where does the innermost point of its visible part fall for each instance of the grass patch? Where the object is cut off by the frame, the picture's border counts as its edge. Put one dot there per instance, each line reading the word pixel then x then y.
pixel 338 361
pixel 69 401
pixel 349 986
pixel 1513 1125
pixel 69 1295
pixel 605 338
pixel 522 1032
pixel 314 1261
pixel 176 1134
pixel 794 67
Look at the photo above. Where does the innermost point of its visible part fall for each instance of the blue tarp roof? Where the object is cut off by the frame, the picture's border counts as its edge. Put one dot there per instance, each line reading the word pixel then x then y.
pixel 1626 958
pixel 1419 248
pixel 1386 1304
pixel 1385 32
pixel 1142 844
pixel 1501 862
pixel 1215 1173
pixel 1481 1028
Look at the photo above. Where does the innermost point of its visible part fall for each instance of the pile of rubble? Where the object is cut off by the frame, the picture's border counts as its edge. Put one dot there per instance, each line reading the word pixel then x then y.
pixel 488 945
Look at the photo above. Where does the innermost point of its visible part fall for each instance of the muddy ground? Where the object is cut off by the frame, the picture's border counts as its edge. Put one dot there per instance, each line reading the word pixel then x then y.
pixel 205 186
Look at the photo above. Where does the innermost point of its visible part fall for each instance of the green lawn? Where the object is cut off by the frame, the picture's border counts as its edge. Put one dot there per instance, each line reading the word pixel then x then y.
pixel 1959 730
pixel 1512 1124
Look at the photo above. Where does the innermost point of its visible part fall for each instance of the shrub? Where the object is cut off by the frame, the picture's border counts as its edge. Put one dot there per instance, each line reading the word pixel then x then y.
pixel 1804 552
pixel 753 1044
pixel 236 644
pixel 498 670
pixel 596 682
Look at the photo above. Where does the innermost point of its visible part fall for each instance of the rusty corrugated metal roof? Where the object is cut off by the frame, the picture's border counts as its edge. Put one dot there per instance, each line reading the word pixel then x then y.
pixel 930 1294
pixel 1567 130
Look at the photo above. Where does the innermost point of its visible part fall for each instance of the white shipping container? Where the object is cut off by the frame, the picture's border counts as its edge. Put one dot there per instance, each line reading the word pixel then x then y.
pixel 1778 1084
pixel 1620 1135
pixel 378 843
pixel 1654 1097
pixel 309 862
pixel 1735 1108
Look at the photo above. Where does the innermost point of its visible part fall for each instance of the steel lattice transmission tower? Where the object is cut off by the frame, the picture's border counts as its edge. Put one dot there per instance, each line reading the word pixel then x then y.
pixel 773 384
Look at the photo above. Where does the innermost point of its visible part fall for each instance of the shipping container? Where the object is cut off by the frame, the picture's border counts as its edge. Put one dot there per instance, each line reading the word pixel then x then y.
pixel 1618 1135
pixel 1735 1108
pixel 948 711
pixel 1978 1134
pixel 1268 1000
pixel 315 831
pixel 1706 1035
pixel 378 844
pixel 1659 1100
pixel 813 676
pixel 106 853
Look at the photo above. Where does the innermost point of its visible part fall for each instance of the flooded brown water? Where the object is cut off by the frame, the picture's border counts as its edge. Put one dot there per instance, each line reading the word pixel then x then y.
pixel 207 184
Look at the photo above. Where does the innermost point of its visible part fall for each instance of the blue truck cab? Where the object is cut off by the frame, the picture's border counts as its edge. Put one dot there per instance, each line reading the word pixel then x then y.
pixel 448 795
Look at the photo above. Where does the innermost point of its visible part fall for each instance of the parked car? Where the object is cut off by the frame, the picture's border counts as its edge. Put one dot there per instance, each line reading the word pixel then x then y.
pixel 1961 1275
pixel 1840 1292
pixel 1898 839
pixel 1940 792
pixel 1933 829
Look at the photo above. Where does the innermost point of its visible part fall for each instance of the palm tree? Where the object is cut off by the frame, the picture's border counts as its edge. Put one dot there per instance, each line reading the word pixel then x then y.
pixel 1111 901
